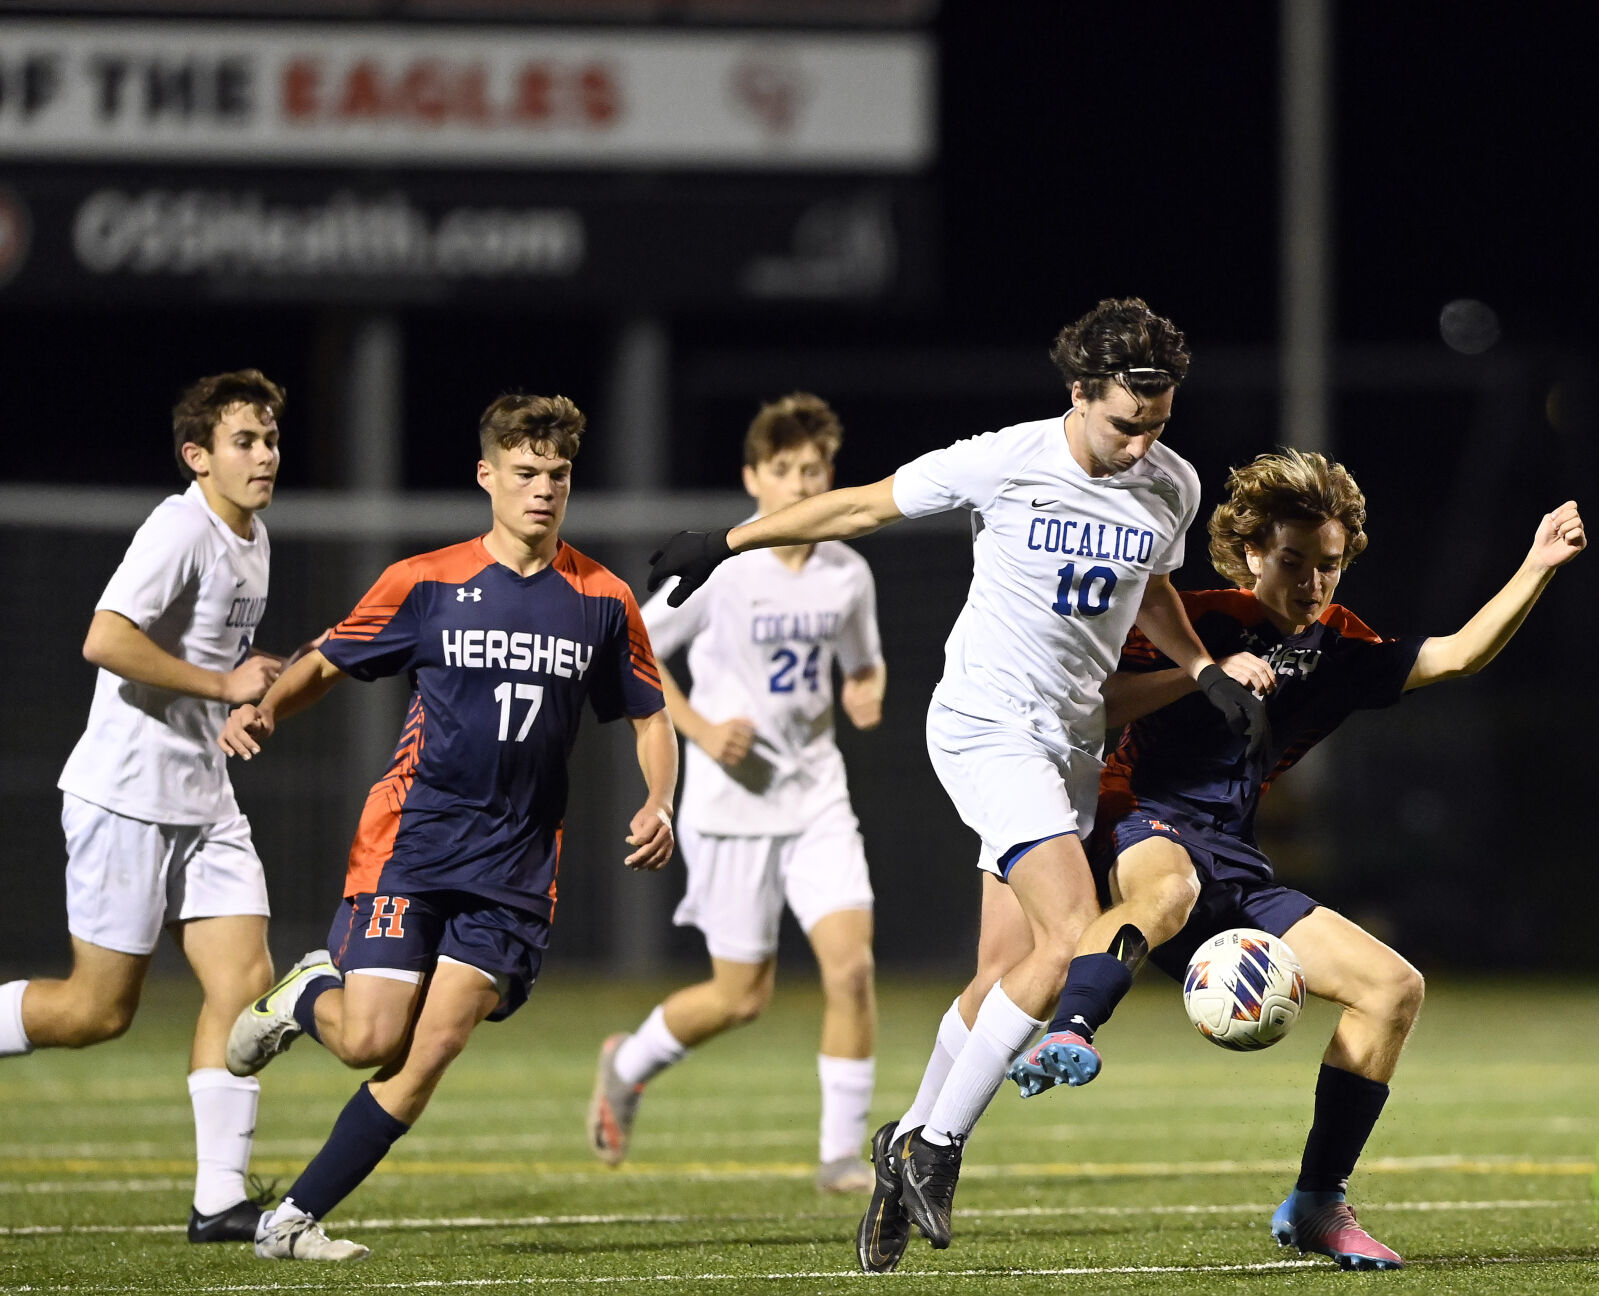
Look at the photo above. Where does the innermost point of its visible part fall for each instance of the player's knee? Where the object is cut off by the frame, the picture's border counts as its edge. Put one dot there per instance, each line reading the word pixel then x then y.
pixel 85 1022
pixel 431 1054
pixel 1167 907
pixel 364 1044
pixel 1405 991
pixel 849 978
pixel 742 1006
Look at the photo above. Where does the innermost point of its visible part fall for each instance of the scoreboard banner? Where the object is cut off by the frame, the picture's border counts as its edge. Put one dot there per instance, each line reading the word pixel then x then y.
pixel 87 236
pixel 308 94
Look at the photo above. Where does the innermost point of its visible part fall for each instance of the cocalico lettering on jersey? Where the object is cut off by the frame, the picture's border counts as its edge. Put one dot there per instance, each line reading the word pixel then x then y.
pixel 811 627
pixel 1091 539
pixel 246 612
pixel 516 650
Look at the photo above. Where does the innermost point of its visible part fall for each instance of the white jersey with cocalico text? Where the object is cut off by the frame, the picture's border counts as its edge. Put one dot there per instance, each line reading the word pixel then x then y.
pixel 199 591
pixel 762 639
pixel 1059 569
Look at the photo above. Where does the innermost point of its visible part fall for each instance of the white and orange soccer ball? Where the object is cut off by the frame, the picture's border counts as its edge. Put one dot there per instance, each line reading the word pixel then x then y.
pixel 1244 989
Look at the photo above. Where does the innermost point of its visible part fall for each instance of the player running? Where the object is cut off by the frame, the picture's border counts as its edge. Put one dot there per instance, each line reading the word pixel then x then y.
pixel 1083 518
pixel 1176 837
pixel 766 816
pixel 154 835
pixel 451 880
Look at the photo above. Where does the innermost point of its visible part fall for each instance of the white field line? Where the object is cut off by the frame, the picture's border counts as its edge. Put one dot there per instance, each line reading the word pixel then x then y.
pixel 640 1217
pixel 938 1276
pixel 711 1171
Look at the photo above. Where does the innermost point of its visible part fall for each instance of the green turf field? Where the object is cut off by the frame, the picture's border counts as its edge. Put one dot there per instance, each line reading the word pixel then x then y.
pixel 1158 1177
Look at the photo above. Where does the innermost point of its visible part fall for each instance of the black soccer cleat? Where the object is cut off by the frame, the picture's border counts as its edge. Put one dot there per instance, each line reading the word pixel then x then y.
pixel 930 1172
pixel 236 1224
pixel 884 1232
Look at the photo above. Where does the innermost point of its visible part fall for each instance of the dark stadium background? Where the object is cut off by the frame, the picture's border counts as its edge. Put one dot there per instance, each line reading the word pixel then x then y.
pixel 1084 151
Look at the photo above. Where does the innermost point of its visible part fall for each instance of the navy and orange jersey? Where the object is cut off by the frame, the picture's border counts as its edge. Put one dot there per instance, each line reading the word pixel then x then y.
pixel 1183 760
pixel 500 666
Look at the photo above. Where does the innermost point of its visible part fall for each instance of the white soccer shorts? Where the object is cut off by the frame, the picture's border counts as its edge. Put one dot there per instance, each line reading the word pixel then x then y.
pixel 737 886
pixel 126 879
pixel 1009 784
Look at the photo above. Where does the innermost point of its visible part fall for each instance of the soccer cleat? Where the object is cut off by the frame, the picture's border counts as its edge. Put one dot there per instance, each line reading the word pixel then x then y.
pixel 884 1232
pixel 1062 1058
pixel 844 1175
pixel 1324 1224
pixel 236 1224
pixel 267 1027
pixel 930 1172
pixel 299 1237
pixel 612 1106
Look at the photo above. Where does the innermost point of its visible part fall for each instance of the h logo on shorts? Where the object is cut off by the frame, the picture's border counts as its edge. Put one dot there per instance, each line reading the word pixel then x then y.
pixel 388 916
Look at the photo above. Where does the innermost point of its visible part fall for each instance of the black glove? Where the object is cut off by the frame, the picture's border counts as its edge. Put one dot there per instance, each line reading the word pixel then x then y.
pixel 691 556
pixel 1244 712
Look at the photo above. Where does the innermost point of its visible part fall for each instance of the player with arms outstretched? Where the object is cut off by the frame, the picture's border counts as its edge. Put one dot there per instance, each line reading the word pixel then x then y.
pixel 1176 840
pixel 766 817
pixel 154 835
pixel 451 880
pixel 1083 517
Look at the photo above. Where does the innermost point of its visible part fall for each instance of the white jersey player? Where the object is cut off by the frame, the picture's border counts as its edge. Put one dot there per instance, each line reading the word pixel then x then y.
pixel 154 835
pixel 765 817
pixel 1083 519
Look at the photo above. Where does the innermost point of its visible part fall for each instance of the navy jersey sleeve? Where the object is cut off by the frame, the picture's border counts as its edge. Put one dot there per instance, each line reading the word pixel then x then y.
pixel 627 681
pixel 380 637
pixel 1369 671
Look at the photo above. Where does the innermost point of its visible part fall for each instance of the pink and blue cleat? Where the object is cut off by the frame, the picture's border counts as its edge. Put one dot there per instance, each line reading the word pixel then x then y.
pixel 1064 1058
pixel 1323 1223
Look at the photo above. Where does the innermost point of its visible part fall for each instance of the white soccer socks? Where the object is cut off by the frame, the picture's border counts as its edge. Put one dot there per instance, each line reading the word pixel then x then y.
pixel 648 1051
pixel 947 1046
pixel 224 1132
pixel 998 1035
pixel 846 1103
pixel 13 1039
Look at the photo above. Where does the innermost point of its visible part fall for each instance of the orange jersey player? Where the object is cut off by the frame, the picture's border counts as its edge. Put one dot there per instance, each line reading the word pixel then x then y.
pixel 451 882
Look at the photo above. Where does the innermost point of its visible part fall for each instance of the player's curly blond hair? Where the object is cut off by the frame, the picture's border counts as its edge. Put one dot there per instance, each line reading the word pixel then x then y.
pixel 550 423
pixel 1293 486
pixel 790 421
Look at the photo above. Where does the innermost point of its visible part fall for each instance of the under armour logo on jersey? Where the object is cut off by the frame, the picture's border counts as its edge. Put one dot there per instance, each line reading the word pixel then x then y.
pixel 462 594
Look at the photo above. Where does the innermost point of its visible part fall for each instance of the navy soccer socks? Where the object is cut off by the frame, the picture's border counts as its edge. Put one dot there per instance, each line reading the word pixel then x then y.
pixel 305 1005
pixel 1095 984
pixel 361 1137
pixel 1347 1108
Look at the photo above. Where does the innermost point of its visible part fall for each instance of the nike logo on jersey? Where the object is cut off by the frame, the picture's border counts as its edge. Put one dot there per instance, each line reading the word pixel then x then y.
pixel 1042 503
pixel 518 651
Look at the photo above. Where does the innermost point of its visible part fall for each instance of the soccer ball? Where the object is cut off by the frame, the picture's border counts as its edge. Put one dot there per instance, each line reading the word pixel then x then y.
pixel 1243 989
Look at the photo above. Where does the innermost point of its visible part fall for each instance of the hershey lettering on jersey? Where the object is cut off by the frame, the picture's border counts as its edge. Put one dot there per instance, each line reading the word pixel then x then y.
pixel 246 612
pixel 812 627
pixel 1091 539
pixel 1285 661
pixel 516 650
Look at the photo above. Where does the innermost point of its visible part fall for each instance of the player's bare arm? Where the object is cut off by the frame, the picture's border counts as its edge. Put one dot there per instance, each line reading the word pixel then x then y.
pixel 650 829
pixel 1131 695
pixel 726 743
pixel 862 695
pixel 841 514
pixel 1559 539
pixel 297 688
pixel 115 644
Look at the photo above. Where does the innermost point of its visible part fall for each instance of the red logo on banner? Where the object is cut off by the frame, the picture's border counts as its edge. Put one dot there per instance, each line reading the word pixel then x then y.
pixel 771 85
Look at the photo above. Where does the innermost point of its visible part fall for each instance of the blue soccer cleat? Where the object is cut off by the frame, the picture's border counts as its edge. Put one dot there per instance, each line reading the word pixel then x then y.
pixel 1062 1058
pixel 1323 1223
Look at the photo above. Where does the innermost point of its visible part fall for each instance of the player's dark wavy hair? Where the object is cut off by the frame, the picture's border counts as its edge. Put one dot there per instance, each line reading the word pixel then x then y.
pixel 551 424
pixel 793 420
pixel 1291 486
pixel 1121 341
pixel 201 407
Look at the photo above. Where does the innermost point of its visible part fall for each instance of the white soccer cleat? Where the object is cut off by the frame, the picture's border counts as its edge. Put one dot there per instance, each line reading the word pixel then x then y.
pixel 267 1026
pixel 299 1237
pixel 612 1107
